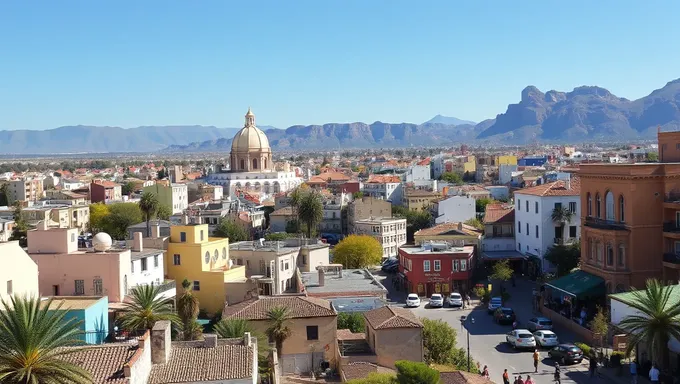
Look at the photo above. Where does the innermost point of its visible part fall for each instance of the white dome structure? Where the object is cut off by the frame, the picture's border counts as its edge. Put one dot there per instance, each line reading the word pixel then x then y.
pixel 250 150
pixel 102 242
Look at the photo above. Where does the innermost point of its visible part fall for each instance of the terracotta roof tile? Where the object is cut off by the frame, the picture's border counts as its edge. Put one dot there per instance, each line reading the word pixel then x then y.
pixel 381 179
pixel 285 211
pixel 346 334
pixel 555 188
pixel 105 363
pixel 361 370
pixel 499 213
pixel 298 307
pixel 448 229
pixel 392 317
pixel 460 377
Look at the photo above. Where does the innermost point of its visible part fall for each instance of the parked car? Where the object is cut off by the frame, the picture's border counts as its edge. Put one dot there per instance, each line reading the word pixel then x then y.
pixel 539 323
pixel 546 339
pixel 436 300
pixel 504 315
pixel 520 338
pixel 412 300
pixel 495 303
pixel 566 354
pixel 455 300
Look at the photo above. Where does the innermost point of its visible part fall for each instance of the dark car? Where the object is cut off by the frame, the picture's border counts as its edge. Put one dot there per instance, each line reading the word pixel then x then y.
pixel 566 354
pixel 504 315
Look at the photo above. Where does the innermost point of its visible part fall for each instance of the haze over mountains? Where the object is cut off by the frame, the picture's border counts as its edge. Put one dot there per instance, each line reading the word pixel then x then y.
pixel 587 113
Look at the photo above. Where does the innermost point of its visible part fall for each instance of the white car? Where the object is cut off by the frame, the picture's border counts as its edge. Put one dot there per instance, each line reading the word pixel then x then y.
pixel 455 300
pixel 412 300
pixel 436 300
pixel 521 338
pixel 495 303
pixel 546 339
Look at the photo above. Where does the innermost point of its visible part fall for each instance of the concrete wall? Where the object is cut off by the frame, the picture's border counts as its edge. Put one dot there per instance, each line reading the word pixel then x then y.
pixel 18 268
pixel 396 344
pixel 53 240
pixel 455 209
pixel 97 321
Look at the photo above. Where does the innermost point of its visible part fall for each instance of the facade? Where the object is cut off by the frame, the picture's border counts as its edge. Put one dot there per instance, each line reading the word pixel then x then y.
pixel 366 208
pixel 147 267
pixel 391 233
pixel 384 187
pixel 105 191
pixel 536 232
pixel 251 166
pixel 91 313
pixel 279 219
pixel 420 199
pixel 458 234
pixel 349 290
pixel 271 263
pixel 419 171
pixel 335 214
pixel 24 190
pixel 6 229
pixel 19 274
pixel 175 196
pixel 499 228
pixel 453 209
pixel 394 334
pixel 505 172
pixel 436 268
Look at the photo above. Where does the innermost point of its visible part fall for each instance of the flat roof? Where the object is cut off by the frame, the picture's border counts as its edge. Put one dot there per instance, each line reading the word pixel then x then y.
pixel 268 246
pixel 72 302
pixel 422 250
pixel 380 220
pixel 352 280
pixel 146 252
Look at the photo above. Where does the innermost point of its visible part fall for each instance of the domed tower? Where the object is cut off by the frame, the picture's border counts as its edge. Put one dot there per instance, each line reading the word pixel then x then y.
pixel 250 150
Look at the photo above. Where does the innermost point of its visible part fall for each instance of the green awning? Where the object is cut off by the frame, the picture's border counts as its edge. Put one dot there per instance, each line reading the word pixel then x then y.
pixel 579 283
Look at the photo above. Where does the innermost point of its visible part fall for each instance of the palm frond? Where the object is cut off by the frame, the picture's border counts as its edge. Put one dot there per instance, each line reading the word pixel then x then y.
pixel 146 308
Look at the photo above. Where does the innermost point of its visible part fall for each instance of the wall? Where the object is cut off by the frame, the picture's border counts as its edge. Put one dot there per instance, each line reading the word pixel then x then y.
pixel 253 259
pixel 313 257
pixel 138 372
pixel 396 344
pixel 19 268
pixel 52 240
pixel 505 173
pixel 455 209
pixel 97 321
pixel 153 274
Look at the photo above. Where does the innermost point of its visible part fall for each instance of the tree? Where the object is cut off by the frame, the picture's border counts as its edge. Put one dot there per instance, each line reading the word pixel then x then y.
pixel 354 321
pixel 4 199
pixel 121 216
pixel 652 157
pixel 228 227
pixel 293 226
pixel 357 195
pixel 310 211
pixel 480 204
pixel 358 251
pixel 148 204
pixel 187 310
pixel 278 329
pixel 600 325
pixel 127 188
pixel 35 336
pixel 564 257
pixel 164 212
pixel 501 271
pixel 162 174
pixel 439 341
pixel 561 216
pixel 451 177
pixel 232 328
pixel 376 378
pixel 98 211
pixel 410 372
pixel 278 236
pixel 20 231
pixel 475 222
pixel 657 320
pixel 146 308
pixel 415 220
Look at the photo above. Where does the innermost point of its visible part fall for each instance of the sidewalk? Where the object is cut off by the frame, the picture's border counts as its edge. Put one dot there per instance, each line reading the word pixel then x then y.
pixel 612 375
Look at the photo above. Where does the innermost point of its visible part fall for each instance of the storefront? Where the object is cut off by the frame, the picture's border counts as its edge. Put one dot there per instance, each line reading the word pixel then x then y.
pixel 427 271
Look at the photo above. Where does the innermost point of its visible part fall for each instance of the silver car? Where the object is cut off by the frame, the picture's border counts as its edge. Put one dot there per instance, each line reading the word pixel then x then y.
pixel 521 338
pixel 539 323
pixel 436 300
pixel 546 339
pixel 455 300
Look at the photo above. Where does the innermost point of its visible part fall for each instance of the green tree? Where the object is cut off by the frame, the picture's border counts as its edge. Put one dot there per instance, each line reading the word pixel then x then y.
pixel 480 204
pixel 228 227
pixel 293 226
pixel 475 222
pixel 162 174
pixel 121 216
pixel 127 188
pixel 34 336
pixel 658 320
pixel 564 257
pixel 232 328
pixel 561 216
pixel 98 213
pixel 376 378
pixel 310 211
pixel 278 236
pixel 652 157
pixel 4 200
pixel 164 212
pixel 439 341
pixel 358 251
pixel 354 321
pixel 600 325
pixel 187 310
pixel 410 372
pixel 20 230
pixel 145 308
pixel 278 329
pixel 501 271
pixel 452 177
pixel 148 204
pixel 357 195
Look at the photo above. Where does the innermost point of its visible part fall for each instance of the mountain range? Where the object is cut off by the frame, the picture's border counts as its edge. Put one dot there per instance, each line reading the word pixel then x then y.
pixel 587 113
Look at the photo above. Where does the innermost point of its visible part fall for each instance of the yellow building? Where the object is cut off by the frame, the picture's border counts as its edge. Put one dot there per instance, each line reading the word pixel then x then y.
pixel 205 262
pixel 506 160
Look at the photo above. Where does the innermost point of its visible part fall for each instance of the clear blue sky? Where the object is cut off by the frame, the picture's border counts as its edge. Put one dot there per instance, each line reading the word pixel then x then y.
pixel 130 63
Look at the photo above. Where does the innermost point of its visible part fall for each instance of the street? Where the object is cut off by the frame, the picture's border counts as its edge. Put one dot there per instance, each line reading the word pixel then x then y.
pixel 487 339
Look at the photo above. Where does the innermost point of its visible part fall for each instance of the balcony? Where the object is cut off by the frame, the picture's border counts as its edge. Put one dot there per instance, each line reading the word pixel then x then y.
pixel 672 258
pixel 594 222
pixel 564 241
pixel 671 226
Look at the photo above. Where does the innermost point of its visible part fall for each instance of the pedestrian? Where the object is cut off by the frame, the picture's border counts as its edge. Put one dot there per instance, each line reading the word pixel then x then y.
pixel 654 374
pixel 516 380
pixel 536 356
pixel 520 381
pixel 528 380
pixel 633 372
pixel 485 372
pixel 467 298
pixel 506 377
pixel 593 364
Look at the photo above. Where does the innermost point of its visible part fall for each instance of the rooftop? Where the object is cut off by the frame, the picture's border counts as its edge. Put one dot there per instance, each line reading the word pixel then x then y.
pixel 298 307
pixel 499 213
pixel 105 362
pixel 382 179
pixel 71 302
pixel 285 211
pixel 379 220
pixel 266 246
pixel 673 299
pixel 556 188
pixel 392 317
pixel 361 369
pixel 437 248
pixel 449 229
pixel 352 280
pixel 146 252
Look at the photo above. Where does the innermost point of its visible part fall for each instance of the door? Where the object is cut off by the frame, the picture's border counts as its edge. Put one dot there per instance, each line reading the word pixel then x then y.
pixel 55 290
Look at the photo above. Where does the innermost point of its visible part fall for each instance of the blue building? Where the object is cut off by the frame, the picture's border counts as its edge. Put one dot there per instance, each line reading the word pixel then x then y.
pixel 532 161
pixel 90 312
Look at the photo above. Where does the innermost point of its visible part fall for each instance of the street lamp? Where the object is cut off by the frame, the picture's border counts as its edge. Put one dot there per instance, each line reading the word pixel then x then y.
pixel 462 324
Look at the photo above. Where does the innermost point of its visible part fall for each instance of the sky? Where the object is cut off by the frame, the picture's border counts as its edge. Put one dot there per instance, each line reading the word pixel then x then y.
pixel 132 63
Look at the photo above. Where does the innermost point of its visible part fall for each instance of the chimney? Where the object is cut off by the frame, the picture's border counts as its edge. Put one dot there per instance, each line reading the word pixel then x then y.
pixel 210 340
pixel 460 225
pixel 322 277
pixel 42 225
pixel 160 342
pixel 137 242
pixel 247 341
pixel 185 219
pixel 155 230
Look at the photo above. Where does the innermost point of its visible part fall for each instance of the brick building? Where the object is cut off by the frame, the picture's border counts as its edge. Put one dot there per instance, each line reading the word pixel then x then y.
pixel 436 268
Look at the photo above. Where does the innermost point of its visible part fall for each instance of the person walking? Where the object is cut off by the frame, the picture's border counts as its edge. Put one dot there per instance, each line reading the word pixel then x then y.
pixel 529 380
pixel 593 365
pixel 654 374
pixel 516 380
pixel 520 381
pixel 536 357
pixel 506 377
pixel 633 372
pixel 485 372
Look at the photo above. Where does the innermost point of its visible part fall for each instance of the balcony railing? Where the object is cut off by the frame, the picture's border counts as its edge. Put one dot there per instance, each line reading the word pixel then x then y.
pixel 564 241
pixel 594 222
pixel 671 258
pixel 671 226
pixel 166 285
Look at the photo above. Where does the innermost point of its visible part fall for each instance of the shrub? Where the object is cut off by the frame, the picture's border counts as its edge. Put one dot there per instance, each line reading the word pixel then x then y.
pixel 410 372
pixel 587 350
pixel 354 321
pixel 616 358
pixel 482 293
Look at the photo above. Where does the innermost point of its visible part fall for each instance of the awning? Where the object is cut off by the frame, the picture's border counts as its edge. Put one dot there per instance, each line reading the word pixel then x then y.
pixel 578 283
pixel 502 255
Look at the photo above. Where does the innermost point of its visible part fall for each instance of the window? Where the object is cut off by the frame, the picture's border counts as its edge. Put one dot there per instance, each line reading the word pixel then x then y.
pixel 526 205
pixel 437 265
pixel 207 257
pixel 176 260
pixel 610 255
pixel 455 266
pixel 536 206
pixel 155 261
pixel 558 205
pixel 426 265
pixel 132 266
pixel 463 265
pixel 572 231
pixel 622 206
pixel 254 163
pixel 98 287
pixel 201 235
pixel 598 249
pixel 243 164
pixel 528 234
pixel 519 226
pixel 287 266
pixel 80 287
pixel 10 289
pixel 183 237
pixel 144 266
pixel 312 332
pixel 519 204
pixel 73 237
pixel 224 253
pixel 282 265
pixel 622 255
pixel 589 203
pixel 609 206
pixel 597 206
pixel 572 207
pixel 537 231
pixel 197 285
pixel 519 247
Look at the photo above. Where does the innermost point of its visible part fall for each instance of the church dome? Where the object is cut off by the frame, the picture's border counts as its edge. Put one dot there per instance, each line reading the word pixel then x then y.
pixel 250 138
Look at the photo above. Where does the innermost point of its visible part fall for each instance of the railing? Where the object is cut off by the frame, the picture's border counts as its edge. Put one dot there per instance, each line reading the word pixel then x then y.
pixel 563 240
pixel 673 258
pixel 595 222
pixel 166 285
pixel 672 197
pixel 671 226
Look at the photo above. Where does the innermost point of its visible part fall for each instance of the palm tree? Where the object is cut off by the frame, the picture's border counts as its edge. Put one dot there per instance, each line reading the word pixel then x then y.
pixel 561 215
pixel 310 211
pixel 187 309
pixel 148 204
pixel 278 329
pixel 658 320
pixel 146 308
pixel 33 338
pixel 232 328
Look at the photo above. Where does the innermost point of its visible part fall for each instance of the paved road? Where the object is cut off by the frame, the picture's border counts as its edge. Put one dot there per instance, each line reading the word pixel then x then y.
pixel 487 339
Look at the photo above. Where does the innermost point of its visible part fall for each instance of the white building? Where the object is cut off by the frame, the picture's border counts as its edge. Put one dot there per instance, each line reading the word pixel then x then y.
pixel 454 209
pixel 535 230
pixel 19 274
pixel 438 166
pixel 6 229
pixel 385 187
pixel 271 263
pixel 147 266
pixel 391 233
pixel 505 172
pixel 418 171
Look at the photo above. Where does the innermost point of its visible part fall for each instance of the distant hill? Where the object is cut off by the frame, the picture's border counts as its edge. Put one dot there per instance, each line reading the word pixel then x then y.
pixel 448 120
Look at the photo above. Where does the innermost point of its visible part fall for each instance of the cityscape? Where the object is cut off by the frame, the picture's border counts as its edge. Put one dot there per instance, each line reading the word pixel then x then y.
pixel 148 236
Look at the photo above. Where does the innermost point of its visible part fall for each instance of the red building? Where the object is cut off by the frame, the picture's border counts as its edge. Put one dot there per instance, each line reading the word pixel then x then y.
pixel 102 191
pixel 436 268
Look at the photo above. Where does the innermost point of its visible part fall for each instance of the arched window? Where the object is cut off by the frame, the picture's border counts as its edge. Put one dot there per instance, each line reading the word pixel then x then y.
pixel 589 206
pixel 224 253
pixel 591 247
pixel 265 163
pixel 609 206
pixel 254 163
pixel 216 255
pixel 622 255
pixel 207 257
pixel 597 206
pixel 598 249
pixel 610 255
pixel 243 164
pixel 622 209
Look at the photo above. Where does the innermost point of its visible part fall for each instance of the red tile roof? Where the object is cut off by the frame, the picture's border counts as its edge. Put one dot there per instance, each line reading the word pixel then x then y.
pixel 448 229
pixel 499 213
pixel 382 179
pixel 392 317
pixel 298 307
pixel 556 188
